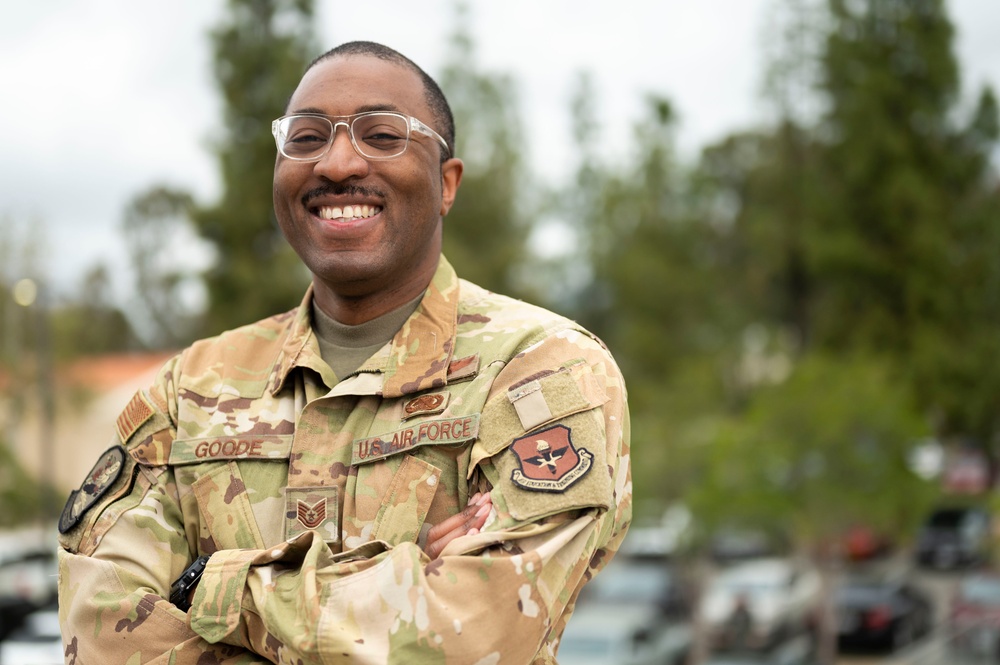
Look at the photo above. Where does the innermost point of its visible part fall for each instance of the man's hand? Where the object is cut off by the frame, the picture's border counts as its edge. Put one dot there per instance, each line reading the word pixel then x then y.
pixel 466 523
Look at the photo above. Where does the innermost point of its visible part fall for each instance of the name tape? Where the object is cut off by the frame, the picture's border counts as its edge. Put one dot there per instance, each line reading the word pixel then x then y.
pixel 244 446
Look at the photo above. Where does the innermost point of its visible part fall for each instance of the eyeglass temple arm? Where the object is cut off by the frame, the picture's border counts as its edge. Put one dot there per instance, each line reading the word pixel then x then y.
pixel 416 125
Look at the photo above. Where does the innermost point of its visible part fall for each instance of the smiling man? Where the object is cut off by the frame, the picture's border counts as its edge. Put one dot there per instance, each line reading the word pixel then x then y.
pixel 407 468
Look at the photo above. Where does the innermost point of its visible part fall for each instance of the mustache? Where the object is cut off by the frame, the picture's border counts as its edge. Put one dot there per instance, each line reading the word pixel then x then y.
pixel 340 189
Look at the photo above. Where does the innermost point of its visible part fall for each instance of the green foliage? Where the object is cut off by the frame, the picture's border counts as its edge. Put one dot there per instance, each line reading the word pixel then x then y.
pixel 856 231
pixel 23 499
pixel 896 163
pixel 261 51
pixel 155 222
pixel 817 453
pixel 487 229
pixel 90 324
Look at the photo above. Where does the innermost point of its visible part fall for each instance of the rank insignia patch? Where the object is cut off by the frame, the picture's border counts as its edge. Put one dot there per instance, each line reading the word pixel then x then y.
pixel 311 516
pixel 549 462
pixel 312 509
pixel 95 485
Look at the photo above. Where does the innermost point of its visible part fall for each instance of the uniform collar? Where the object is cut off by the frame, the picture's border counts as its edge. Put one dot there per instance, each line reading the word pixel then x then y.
pixel 419 353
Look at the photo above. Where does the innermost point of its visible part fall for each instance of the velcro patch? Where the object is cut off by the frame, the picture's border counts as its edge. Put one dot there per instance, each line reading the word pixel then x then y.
pixel 136 412
pixel 97 483
pixel 241 446
pixel 312 509
pixel 463 368
pixel 549 462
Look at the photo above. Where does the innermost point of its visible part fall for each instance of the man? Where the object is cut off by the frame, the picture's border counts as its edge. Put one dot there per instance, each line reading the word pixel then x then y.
pixel 405 469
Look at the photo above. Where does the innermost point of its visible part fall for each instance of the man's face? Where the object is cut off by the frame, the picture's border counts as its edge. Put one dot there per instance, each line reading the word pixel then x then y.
pixel 389 242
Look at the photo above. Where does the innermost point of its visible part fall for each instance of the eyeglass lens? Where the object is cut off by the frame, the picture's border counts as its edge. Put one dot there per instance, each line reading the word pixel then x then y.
pixel 375 135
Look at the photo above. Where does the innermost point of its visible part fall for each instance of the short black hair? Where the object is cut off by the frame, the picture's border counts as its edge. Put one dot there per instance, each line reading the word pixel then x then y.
pixel 433 94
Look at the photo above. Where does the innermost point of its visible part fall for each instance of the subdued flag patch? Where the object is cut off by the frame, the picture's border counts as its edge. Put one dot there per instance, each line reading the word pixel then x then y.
pixel 136 412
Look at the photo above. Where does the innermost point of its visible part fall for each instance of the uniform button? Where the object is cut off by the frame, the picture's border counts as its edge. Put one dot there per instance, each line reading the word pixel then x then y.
pixel 432 481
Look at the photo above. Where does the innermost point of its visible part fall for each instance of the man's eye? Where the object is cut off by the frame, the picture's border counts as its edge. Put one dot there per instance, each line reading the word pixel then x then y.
pixel 383 140
pixel 306 138
pixel 382 133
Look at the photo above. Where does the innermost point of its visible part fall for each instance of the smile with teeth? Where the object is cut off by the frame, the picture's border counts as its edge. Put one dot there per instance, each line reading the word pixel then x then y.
pixel 348 212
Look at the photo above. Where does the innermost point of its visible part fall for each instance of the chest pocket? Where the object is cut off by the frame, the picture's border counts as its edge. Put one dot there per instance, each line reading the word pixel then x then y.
pixel 219 471
pixel 407 480
pixel 407 501
pixel 227 519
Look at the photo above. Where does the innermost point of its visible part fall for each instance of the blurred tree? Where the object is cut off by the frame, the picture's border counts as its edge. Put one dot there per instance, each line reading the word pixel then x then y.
pixel 656 290
pixel 864 219
pixel 898 168
pixel 158 230
pixel 487 229
pixel 261 49
pixel 909 267
pixel 23 498
pixel 837 422
pixel 90 323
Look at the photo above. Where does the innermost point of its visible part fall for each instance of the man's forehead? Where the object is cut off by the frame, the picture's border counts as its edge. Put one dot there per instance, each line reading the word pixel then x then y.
pixel 359 82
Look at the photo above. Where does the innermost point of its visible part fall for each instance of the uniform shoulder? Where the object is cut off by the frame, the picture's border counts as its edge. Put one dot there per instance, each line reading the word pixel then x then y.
pixel 481 308
pixel 477 300
pixel 243 357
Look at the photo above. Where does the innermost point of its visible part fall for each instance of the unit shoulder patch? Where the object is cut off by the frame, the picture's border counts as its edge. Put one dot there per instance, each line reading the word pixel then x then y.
pixel 97 483
pixel 548 460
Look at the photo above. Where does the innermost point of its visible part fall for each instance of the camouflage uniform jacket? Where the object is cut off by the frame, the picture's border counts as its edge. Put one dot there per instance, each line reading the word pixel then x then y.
pixel 314 496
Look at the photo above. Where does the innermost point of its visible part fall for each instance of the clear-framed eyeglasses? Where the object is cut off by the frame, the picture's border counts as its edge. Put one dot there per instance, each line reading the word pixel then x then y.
pixel 307 137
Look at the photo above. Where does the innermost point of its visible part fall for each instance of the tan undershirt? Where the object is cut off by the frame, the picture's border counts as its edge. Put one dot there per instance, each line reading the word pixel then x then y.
pixel 344 348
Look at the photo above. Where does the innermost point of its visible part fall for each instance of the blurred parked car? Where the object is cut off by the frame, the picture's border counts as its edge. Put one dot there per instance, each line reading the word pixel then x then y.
pixel 623 635
pixel 799 650
pixel 36 642
pixel 861 543
pixel 27 582
pixel 974 615
pixel 627 581
pixel 881 610
pixel 954 537
pixel 664 538
pixel 732 544
pixel 756 604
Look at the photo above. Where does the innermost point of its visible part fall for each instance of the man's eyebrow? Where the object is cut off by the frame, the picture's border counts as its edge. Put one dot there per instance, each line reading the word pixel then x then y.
pixel 361 109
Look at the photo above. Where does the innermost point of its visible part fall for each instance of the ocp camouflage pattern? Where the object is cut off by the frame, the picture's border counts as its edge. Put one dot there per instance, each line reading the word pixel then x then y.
pixel 315 496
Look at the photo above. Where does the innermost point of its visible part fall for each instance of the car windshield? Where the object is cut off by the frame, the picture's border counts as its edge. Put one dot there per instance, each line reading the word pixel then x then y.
pixel 981 590
pixel 946 519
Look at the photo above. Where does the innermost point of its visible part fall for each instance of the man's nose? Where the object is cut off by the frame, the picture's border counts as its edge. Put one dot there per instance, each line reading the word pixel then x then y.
pixel 341 161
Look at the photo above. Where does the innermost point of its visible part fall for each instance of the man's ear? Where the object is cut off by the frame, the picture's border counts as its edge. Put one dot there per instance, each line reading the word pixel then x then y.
pixel 451 177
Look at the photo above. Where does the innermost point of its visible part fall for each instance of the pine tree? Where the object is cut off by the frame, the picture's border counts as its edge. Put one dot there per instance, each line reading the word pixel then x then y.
pixel 260 50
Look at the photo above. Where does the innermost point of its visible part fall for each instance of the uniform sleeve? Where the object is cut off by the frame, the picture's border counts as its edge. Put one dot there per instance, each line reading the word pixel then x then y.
pixel 123 542
pixel 553 449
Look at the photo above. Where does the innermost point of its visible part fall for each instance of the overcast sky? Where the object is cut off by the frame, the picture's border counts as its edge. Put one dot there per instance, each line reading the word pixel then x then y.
pixel 73 69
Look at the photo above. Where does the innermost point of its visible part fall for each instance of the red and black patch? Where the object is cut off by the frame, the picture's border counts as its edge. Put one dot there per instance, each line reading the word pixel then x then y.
pixel 99 480
pixel 549 462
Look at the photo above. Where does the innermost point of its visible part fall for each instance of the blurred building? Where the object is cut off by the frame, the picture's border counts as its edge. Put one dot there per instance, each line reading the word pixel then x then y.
pixel 89 393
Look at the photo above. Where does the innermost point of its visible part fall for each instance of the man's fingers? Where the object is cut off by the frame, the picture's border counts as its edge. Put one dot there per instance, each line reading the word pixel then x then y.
pixel 458 519
pixel 467 522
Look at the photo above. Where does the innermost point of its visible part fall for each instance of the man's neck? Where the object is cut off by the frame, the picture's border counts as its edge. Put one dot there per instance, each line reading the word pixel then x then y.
pixel 353 311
